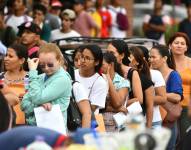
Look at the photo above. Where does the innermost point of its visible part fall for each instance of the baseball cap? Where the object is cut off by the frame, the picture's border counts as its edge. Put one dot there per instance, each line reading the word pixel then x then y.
pixel 29 26
pixel 56 4
pixel 70 13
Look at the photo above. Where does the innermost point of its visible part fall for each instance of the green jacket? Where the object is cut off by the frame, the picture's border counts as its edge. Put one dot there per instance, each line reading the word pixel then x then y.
pixel 56 89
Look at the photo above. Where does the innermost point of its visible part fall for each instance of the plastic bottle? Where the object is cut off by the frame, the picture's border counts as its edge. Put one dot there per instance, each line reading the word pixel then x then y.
pixel 38 144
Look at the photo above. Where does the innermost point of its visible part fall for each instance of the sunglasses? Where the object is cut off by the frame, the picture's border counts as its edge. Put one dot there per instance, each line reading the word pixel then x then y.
pixel 50 65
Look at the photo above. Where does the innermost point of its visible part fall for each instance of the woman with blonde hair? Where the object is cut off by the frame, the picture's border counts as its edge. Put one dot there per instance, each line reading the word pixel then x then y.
pixel 51 87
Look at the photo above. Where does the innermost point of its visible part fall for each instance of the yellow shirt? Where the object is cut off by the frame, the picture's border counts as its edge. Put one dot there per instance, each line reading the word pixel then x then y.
pixel 97 18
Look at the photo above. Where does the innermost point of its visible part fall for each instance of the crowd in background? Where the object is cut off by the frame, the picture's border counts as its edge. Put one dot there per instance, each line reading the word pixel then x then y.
pixel 35 72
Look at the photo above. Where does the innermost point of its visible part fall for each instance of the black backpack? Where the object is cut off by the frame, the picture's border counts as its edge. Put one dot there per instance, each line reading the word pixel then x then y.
pixel 151 34
pixel 74 116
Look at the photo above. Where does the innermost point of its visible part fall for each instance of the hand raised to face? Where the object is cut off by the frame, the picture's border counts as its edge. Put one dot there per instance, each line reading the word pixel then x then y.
pixel 33 63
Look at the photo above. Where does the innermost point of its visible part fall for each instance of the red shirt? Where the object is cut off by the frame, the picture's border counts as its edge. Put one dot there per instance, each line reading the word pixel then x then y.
pixel 106 22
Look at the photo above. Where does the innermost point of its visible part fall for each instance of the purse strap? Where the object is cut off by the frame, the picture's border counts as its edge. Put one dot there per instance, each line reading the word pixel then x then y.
pixel 92 87
pixel 73 97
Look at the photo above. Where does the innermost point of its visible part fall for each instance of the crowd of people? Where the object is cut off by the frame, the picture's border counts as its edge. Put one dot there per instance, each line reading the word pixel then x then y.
pixel 35 72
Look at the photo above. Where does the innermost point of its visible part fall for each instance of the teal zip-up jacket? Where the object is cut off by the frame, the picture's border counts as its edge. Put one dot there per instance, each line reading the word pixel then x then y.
pixel 56 89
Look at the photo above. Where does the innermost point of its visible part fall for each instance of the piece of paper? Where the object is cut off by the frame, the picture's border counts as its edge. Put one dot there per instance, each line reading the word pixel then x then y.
pixel 50 119
pixel 120 118
pixel 134 108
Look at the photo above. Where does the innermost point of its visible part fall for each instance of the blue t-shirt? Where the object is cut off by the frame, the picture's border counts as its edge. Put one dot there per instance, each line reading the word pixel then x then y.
pixel 174 83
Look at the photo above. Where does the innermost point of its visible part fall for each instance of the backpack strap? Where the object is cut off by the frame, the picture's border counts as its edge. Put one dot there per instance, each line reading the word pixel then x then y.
pixel 92 86
pixel 73 97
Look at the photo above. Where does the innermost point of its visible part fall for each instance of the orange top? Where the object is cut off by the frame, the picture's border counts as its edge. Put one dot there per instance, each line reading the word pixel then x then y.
pixel 186 84
pixel 18 89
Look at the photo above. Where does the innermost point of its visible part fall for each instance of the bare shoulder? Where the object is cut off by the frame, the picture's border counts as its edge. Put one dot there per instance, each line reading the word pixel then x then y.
pixel 189 61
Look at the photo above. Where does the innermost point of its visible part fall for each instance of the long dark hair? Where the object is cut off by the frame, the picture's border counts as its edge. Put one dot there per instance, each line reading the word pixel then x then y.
pixel 110 58
pixel 97 53
pixel 4 113
pixel 143 66
pixel 122 48
pixel 164 51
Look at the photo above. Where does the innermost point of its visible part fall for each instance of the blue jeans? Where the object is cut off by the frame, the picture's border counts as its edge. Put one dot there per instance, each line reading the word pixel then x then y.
pixel 172 141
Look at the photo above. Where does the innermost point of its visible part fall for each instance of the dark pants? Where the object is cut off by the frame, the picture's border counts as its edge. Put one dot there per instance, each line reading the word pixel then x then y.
pixel 183 124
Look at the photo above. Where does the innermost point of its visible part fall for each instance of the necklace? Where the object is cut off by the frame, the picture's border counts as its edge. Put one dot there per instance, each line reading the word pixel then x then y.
pixel 9 81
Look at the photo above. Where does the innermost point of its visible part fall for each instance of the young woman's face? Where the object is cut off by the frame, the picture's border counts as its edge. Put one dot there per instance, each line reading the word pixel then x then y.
pixel 12 61
pixel 77 60
pixel 178 46
pixel 87 60
pixel 113 50
pixel 48 63
pixel 156 59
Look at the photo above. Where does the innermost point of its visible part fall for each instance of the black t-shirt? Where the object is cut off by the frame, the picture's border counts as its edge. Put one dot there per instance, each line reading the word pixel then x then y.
pixel 185 26
pixel 130 78
pixel 153 34
pixel 146 83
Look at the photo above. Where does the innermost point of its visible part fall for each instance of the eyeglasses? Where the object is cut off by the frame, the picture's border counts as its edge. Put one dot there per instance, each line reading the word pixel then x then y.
pixel 86 59
pixel 49 65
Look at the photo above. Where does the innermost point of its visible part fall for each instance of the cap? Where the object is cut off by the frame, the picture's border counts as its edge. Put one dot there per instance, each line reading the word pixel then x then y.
pixel 29 26
pixel 70 13
pixel 79 2
pixel 56 4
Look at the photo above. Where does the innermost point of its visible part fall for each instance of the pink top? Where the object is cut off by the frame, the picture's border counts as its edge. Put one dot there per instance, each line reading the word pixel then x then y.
pixel 84 23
